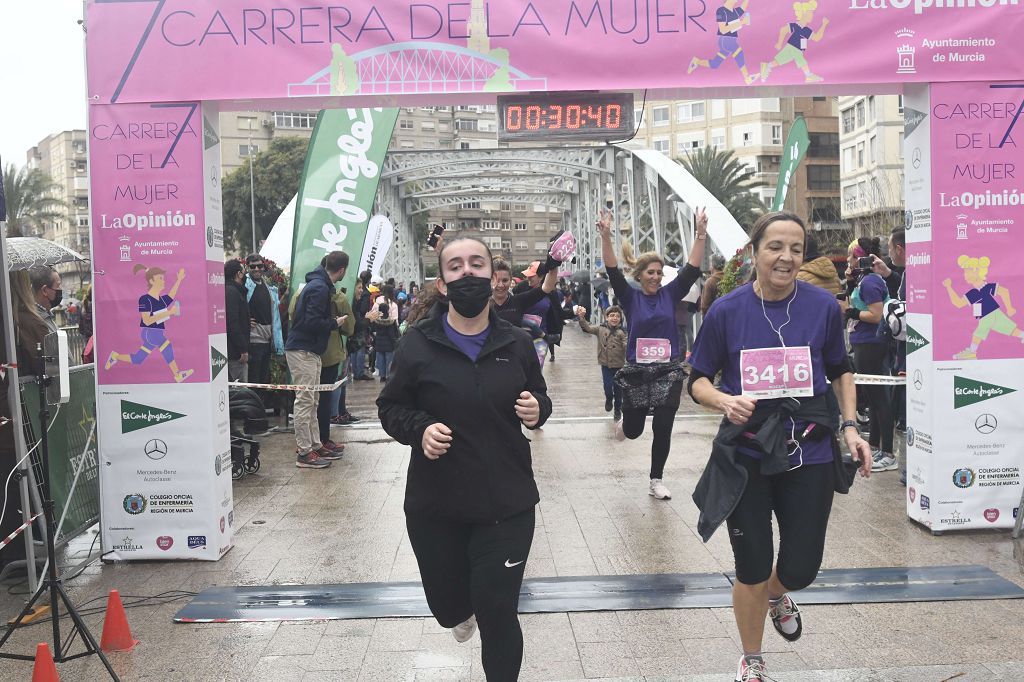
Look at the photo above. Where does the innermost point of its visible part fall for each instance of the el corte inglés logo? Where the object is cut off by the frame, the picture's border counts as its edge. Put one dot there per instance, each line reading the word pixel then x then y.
pixel 135 416
pixel 914 340
pixel 217 362
pixel 969 391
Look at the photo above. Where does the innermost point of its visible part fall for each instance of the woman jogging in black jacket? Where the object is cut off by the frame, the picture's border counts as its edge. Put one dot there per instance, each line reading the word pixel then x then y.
pixel 463 384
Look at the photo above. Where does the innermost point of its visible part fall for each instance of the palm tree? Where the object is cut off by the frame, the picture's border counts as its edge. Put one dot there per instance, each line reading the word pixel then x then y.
pixel 731 182
pixel 30 201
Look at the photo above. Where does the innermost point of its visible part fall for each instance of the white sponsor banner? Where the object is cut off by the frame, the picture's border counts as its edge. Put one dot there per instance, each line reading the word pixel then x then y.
pixel 379 235
pixel 920 421
pixel 166 487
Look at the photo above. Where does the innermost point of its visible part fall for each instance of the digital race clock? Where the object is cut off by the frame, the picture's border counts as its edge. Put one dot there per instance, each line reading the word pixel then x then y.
pixel 565 116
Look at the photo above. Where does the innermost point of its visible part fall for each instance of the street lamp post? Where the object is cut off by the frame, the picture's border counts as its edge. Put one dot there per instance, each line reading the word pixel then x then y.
pixel 252 193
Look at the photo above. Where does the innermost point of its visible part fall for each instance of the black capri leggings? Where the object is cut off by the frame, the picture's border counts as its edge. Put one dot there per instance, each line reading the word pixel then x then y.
pixel 802 501
pixel 869 358
pixel 477 569
pixel 634 419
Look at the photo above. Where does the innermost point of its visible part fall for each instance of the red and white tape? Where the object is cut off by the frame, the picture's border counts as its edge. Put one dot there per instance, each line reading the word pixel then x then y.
pixel 879 380
pixel 10 538
pixel 291 387
pixel 4 366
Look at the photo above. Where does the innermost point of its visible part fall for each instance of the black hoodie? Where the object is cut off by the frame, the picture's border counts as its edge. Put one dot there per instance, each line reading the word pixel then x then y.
pixel 487 474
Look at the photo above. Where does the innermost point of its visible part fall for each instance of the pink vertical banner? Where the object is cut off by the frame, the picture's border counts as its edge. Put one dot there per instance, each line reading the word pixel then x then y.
pixel 978 296
pixel 148 244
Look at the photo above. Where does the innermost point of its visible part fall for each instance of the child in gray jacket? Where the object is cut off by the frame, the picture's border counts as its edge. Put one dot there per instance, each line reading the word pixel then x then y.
pixel 611 353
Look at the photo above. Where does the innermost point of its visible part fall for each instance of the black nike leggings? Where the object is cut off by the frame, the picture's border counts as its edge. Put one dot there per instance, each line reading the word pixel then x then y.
pixel 634 419
pixel 477 569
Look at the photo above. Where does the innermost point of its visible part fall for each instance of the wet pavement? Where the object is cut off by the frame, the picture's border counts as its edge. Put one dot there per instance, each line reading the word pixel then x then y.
pixel 345 524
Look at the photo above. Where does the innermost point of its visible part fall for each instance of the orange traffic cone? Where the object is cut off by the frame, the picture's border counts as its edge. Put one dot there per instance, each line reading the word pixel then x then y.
pixel 44 669
pixel 117 636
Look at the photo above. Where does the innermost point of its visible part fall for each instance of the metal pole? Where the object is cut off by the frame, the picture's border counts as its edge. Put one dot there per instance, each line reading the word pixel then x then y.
pixel 252 194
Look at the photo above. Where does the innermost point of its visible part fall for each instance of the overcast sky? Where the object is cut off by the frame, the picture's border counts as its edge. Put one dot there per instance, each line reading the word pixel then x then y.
pixel 42 73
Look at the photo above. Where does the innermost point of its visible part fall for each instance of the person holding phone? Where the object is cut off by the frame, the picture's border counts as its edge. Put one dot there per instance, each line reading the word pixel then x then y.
pixel 311 326
pixel 867 297
pixel 652 378
pixel 464 383
pixel 777 343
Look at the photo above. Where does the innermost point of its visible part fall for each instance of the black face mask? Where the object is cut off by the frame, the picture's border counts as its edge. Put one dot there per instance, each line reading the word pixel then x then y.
pixel 469 295
pixel 58 296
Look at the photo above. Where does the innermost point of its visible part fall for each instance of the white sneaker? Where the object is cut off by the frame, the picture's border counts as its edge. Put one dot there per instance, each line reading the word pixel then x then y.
pixel 659 491
pixel 619 434
pixel 886 462
pixel 463 632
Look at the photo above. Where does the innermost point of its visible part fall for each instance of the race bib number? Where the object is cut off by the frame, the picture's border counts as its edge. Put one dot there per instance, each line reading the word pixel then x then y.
pixel 777 372
pixel 653 350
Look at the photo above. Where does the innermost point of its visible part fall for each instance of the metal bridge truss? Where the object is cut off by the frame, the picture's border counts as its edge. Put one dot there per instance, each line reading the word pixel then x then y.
pixel 579 180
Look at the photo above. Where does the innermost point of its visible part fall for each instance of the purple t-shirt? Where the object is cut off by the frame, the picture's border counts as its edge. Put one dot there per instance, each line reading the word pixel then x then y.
pixel 872 290
pixel 652 316
pixel 799 35
pixel 470 345
pixel 540 310
pixel 736 322
pixel 724 15
pixel 986 296
pixel 152 305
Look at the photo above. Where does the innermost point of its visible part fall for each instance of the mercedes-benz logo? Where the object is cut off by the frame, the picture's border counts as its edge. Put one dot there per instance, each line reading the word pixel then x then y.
pixel 222 401
pixel 155 449
pixel 986 423
pixel 918 379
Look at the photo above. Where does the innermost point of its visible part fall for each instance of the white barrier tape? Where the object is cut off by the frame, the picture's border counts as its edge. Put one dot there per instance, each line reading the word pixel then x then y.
pixel 879 380
pixel 6 366
pixel 292 387
pixel 10 538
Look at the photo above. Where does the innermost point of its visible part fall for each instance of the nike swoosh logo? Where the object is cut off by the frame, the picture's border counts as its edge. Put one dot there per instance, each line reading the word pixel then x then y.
pixel 508 565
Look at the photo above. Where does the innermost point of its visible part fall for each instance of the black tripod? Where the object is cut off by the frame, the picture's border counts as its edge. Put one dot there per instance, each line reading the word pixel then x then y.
pixel 51 583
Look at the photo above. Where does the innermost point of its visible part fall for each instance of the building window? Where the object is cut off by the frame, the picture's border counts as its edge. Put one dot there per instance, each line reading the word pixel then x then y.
pixel 470 205
pixel 82 202
pixel 464 145
pixel 872 114
pixel 449 224
pixel 506 245
pixel 492 242
pixel 690 144
pixel 718 139
pixel 776 134
pixel 444 127
pixel 824 146
pixel 662 145
pixel 873 150
pixel 248 149
pixel 83 221
pixel 847 118
pixel 638 116
pixel 505 206
pixel 690 111
pixel 819 99
pixel 519 208
pixel 406 124
pixel 848 158
pixel 465 124
pixel 427 125
pixel 522 246
pixel 747 139
pixel 823 178
pixel 520 227
pixel 490 225
pixel 506 225
pixel 899 103
pixel 78 147
pixel 661 116
pixel 554 227
pixel 860 114
pixel 406 144
pixel 860 155
pixel 294 119
pixel 540 246
pixel 850 197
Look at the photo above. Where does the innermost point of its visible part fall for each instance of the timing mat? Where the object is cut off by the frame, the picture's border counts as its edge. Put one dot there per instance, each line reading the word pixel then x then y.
pixel 593 593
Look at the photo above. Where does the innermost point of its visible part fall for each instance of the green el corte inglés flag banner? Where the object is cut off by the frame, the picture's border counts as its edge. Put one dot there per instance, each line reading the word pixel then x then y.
pixel 338 185
pixel 796 146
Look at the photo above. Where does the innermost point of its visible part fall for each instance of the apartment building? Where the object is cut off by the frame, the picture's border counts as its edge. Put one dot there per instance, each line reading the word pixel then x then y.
pixel 64 158
pixel 871 167
pixel 755 130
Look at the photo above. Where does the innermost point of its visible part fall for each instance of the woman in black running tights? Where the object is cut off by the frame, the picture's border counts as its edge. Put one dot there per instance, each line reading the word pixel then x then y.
pixel 464 383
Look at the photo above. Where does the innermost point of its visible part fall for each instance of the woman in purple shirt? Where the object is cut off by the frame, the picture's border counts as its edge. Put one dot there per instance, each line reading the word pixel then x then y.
pixel 776 342
pixel 653 375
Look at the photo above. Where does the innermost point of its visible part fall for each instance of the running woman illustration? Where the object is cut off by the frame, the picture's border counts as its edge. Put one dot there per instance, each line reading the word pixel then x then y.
pixel 731 17
pixel 792 49
pixel 986 309
pixel 155 308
